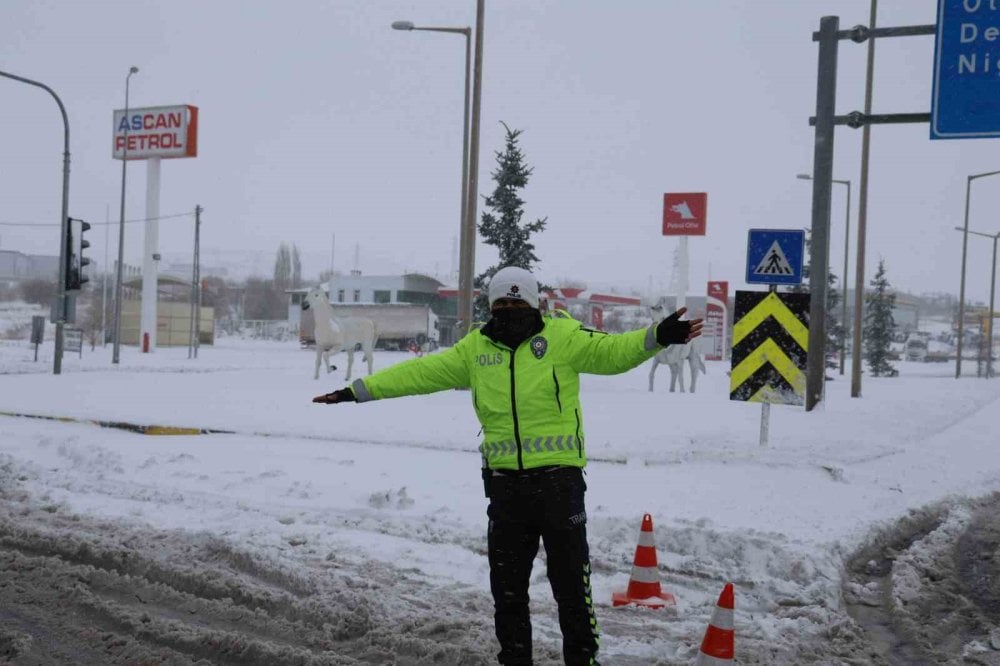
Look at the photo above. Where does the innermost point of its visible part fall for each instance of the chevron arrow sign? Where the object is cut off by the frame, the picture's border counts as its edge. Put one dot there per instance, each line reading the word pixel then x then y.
pixel 770 345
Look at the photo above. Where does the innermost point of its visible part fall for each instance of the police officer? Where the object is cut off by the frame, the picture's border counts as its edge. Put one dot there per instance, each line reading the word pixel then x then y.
pixel 524 372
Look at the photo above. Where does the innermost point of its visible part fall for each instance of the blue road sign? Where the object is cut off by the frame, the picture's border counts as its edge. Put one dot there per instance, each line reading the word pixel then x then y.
pixel 965 103
pixel 774 256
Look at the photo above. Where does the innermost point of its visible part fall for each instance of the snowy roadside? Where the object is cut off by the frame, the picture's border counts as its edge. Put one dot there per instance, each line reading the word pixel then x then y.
pixel 389 493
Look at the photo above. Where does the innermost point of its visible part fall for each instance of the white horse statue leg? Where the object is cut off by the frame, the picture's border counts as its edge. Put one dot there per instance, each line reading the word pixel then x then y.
pixel 695 362
pixel 660 358
pixel 675 361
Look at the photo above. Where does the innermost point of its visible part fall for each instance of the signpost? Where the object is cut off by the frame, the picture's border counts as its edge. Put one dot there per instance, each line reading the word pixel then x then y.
pixel 152 134
pixel 37 332
pixel 965 103
pixel 716 320
pixel 684 214
pixel 775 256
pixel 74 340
pixel 771 330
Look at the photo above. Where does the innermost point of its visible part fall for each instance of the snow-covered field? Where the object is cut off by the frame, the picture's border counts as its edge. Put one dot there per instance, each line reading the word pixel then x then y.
pixel 372 517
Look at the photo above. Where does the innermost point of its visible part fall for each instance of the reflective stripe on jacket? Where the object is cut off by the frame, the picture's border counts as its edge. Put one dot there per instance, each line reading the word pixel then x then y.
pixel 527 400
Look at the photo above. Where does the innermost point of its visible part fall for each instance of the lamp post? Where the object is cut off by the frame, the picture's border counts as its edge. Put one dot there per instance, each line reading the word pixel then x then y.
pixel 121 230
pixel 993 283
pixel 961 289
pixel 847 239
pixel 59 314
pixel 467 229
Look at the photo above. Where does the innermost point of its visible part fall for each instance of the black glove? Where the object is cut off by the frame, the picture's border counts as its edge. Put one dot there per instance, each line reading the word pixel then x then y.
pixel 343 395
pixel 673 331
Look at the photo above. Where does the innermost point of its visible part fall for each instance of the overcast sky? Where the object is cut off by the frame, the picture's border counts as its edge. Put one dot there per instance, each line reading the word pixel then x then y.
pixel 318 120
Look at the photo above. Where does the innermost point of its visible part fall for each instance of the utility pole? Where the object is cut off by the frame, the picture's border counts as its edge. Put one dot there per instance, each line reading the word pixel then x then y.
pixel 195 288
pixel 468 251
pixel 104 282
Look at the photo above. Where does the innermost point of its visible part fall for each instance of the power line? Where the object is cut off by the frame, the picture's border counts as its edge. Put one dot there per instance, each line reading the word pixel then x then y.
pixel 55 224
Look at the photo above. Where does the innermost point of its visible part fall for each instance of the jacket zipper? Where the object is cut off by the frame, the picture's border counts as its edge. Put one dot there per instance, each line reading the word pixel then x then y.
pixel 579 442
pixel 513 412
pixel 556 380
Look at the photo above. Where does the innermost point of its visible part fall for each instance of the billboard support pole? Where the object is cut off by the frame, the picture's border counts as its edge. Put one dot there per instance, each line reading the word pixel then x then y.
pixel 150 255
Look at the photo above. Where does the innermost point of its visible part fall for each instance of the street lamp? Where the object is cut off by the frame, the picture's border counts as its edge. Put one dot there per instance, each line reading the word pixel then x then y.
pixel 121 229
pixel 847 238
pixel 467 229
pixel 993 283
pixel 961 289
pixel 60 310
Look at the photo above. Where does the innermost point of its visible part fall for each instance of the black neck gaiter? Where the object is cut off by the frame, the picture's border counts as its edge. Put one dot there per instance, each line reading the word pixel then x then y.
pixel 512 326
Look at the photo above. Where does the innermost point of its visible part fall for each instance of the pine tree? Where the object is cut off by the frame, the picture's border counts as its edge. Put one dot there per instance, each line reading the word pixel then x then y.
pixel 501 226
pixel 879 324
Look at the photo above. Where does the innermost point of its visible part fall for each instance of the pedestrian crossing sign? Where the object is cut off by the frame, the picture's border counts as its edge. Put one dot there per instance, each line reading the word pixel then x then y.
pixel 774 256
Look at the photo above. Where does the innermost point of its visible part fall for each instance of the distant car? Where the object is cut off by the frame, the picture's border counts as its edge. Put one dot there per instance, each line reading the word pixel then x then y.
pixel 915 348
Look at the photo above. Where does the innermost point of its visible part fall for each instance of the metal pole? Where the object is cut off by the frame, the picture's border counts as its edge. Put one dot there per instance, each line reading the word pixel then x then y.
pixel 961 288
pixel 104 282
pixel 993 284
pixel 843 318
pixel 194 278
pixel 121 231
pixel 60 313
pixel 467 226
pixel 197 278
pixel 826 97
pixel 859 275
pixel 469 249
pixel 765 408
pixel 467 233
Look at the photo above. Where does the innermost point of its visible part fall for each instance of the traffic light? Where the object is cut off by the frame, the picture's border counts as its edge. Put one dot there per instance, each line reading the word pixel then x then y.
pixel 75 261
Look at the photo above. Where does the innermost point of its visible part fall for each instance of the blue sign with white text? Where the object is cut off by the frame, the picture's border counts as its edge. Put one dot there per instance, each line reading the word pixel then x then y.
pixel 774 256
pixel 965 103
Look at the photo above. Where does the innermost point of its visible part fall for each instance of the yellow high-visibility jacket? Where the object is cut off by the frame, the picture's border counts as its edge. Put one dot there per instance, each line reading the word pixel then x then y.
pixel 527 399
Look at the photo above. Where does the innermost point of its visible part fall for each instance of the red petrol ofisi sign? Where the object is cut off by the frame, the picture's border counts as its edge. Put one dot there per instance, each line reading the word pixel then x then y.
pixel 157 131
pixel 716 320
pixel 684 214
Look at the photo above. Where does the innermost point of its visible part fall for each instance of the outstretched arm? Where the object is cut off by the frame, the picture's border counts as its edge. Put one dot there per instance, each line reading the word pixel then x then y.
pixel 416 376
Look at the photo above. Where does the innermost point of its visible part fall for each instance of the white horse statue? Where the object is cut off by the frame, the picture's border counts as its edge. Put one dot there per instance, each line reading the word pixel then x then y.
pixel 674 357
pixel 334 333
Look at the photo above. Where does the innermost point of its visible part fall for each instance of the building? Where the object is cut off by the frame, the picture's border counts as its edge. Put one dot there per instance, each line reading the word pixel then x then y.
pixel 408 288
pixel 16 266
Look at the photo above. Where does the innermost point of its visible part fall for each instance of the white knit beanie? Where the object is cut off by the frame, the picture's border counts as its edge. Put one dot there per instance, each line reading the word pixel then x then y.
pixel 514 282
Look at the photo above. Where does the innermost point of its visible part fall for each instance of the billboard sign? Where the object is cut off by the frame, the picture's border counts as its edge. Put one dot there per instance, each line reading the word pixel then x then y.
pixel 965 103
pixel 684 214
pixel 156 131
pixel 716 320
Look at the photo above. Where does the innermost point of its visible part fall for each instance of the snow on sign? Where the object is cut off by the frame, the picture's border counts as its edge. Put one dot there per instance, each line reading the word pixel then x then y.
pixel 774 256
pixel 684 214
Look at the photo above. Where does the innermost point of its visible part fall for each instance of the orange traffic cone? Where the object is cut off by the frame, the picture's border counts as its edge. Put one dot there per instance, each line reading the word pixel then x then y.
pixel 644 584
pixel 717 647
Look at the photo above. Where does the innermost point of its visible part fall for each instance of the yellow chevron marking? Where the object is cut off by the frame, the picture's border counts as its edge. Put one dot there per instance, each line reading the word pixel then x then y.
pixel 768 352
pixel 772 396
pixel 140 429
pixel 170 430
pixel 771 306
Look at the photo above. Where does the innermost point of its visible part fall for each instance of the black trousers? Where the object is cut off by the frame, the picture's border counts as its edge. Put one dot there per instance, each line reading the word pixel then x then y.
pixel 525 506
